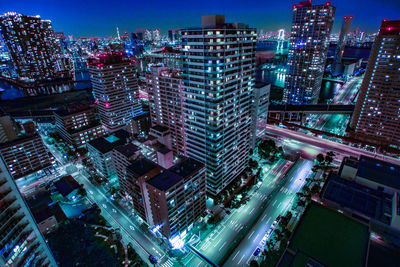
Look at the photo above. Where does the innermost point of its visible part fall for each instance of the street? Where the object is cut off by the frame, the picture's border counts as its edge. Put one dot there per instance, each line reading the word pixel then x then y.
pixel 281 202
pixel 118 219
pixel 215 245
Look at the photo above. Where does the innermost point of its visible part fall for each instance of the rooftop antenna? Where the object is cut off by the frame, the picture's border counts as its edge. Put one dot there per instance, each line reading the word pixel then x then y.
pixel 118 36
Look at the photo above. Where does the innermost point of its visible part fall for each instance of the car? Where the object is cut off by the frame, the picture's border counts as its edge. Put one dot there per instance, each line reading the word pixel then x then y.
pixel 152 259
pixel 257 251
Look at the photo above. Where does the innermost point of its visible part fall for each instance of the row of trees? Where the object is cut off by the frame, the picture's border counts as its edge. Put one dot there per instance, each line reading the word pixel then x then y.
pixel 268 150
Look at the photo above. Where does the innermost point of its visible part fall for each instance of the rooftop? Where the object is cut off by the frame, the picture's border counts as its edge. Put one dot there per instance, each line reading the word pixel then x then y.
pixel 379 171
pixel 165 180
pixel 142 166
pixel 164 150
pixel 66 185
pixel 348 194
pixel 160 128
pixel 72 109
pixel 186 167
pixel 127 150
pixel 328 238
pixel 106 144
pixel 108 59
pixel 390 27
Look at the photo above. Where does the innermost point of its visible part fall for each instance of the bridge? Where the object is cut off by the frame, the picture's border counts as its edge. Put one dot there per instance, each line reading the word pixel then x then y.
pixel 313 109
pixel 285 112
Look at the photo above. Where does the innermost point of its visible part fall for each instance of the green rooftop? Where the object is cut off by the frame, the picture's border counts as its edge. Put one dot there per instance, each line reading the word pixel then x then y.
pixel 330 238
pixel 112 138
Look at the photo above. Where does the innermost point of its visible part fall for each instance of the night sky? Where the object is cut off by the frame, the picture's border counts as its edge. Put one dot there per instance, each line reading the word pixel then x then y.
pixel 100 17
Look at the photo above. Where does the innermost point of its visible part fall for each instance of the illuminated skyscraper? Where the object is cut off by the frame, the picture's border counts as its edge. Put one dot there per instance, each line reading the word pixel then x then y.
pixel 344 31
pixel 21 243
pixel 308 50
pixel 115 89
pixel 377 113
pixel 165 88
pixel 32 46
pixel 218 79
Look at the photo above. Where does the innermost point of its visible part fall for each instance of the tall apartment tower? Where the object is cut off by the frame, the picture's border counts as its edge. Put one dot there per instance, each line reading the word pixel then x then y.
pixel 218 78
pixel 32 46
pixel 344 31
pixel 115 89
pixel 308 50
pixel 21 243
pixel 377 113
pixel 165 89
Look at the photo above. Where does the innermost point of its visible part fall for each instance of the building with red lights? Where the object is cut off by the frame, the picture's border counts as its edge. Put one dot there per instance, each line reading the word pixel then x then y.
pixel 376 117
pixel 115 89
pixel 308 48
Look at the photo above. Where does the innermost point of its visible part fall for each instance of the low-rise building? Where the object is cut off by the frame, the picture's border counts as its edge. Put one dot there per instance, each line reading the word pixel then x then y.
pixel 101 151
pixel 26 155
pixel 373 173
pixel 177 198
pixel 78 125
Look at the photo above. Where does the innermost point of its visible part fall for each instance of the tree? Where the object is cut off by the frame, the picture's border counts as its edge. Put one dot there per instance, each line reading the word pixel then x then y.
pixel 253 163
pixel 320 158
pixel 315 189
pixel 81 191
pixel 254 263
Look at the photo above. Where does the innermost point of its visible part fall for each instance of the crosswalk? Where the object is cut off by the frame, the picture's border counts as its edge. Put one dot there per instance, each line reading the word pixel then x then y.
pixel 168 263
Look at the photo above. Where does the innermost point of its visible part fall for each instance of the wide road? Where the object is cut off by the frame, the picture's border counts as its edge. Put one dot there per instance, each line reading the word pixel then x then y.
pixel 215 245
pixel 280 203
pixel 337 123
pixel 326 144
pixel 118 219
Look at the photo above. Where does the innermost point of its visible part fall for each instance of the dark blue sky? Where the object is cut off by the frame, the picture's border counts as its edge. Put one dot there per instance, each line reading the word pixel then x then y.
pixel 100 17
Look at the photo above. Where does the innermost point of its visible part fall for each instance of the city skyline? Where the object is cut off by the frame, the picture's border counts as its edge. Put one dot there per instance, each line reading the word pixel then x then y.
pixel 101 19
pixel 224 141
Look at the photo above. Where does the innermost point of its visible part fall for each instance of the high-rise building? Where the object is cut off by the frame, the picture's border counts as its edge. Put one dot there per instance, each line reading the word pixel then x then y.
pixel 115 89
pixel 218 79
pixel 308 48
pixel 165 88
pixel 260 105
pixel 344 31
pixel 33 47
pixel 377 113
pixel 21 243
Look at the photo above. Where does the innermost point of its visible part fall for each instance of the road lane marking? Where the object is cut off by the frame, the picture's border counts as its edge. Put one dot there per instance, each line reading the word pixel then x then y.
pixel 251 234
pixel 236 255
pixel 252 211
pixel 274 202
pixel 241 259
pixel 216 244
pixel 222 246
pixel 279 204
